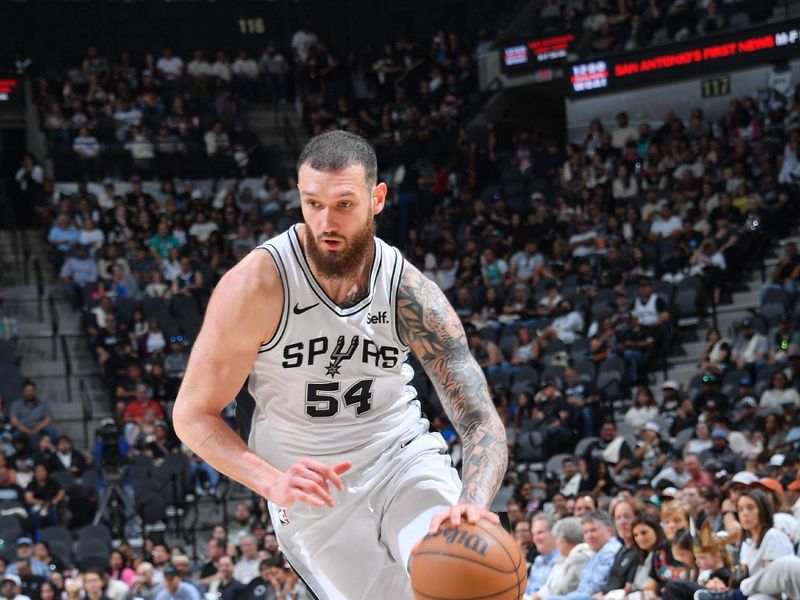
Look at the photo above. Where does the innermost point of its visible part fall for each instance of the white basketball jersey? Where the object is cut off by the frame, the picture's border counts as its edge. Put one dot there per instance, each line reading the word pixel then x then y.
pixel 333 383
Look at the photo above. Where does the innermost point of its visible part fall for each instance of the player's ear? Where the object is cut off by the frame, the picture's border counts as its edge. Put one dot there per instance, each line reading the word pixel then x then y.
pixel 379 197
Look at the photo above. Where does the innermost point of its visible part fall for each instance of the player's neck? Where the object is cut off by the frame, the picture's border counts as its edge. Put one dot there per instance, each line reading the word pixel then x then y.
pixel 350 290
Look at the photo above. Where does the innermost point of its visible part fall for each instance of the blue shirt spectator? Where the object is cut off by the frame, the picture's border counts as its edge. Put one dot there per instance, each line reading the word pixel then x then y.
pixel 540 569
pixel 79 269
pixel 63 234
pixel 598 534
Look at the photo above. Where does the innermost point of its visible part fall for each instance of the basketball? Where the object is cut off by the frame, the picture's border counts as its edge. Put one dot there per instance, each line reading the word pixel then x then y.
pixel 469 561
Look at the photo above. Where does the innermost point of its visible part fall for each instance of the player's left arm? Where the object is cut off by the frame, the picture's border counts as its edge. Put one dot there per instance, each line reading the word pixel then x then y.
pixel 430 327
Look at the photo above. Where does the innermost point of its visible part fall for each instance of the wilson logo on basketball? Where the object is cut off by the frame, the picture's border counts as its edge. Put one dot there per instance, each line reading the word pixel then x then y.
pixel 470 541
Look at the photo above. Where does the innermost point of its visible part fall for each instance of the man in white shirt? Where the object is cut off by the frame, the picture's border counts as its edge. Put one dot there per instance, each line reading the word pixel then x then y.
pixel 525 262
pixel 567 326
pixel 198 66
pixel 222 67
pixel 275 70
pixel 85 145
pixel 245 74
pixel 246 568
pixel 666 224
pixel 169 66
pixel 302 41
pixel 202 228
pixel 125 118
pixel 583 241
pixel 624 132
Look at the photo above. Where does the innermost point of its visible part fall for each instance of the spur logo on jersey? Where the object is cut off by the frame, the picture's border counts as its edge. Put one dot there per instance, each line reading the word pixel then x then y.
pixel 379 318
pixel 332 354
pixel 470 541
pixel 337 356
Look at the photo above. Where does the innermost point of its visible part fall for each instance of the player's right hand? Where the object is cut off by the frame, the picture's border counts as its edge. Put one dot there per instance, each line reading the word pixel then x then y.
pixel 307 481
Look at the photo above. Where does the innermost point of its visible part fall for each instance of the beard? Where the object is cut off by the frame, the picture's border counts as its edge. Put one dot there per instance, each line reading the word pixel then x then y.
pixel 345 262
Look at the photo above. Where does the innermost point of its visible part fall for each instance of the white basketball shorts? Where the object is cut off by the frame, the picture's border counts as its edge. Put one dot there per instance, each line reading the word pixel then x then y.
pixel 360 548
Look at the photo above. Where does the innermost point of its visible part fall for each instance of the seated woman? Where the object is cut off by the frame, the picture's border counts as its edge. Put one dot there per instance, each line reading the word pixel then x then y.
pixel 527 350
pixel 765 560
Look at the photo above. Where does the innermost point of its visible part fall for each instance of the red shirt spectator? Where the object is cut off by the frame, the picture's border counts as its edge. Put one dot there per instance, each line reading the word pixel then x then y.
pixel 142 407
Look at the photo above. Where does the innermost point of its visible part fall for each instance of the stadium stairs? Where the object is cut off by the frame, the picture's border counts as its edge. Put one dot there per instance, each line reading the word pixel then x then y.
pixel 51 345
pixel 743 302
pixel 53 352
pixel 279 128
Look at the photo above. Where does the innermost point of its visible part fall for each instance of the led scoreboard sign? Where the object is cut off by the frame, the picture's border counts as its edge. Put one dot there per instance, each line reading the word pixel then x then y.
pixel 7 86
pixel 531 55
pixel 724 52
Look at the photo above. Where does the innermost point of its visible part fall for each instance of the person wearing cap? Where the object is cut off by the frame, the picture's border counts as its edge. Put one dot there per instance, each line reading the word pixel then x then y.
pixel 671 394
pixel 748 420
pixel 721 452
pixel 793 496
pixel 782 521
pixel 11 586
pixel 745 387
pixel 779 393
pixel 174 588
pixel 750 348
pixel 25 553
pixel 652 450
pixel 710 392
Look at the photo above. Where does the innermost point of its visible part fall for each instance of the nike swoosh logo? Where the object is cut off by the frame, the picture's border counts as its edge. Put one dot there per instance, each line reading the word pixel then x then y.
pixel 300 311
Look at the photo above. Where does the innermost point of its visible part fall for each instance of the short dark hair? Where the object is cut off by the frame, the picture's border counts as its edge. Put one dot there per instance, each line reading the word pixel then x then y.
pixel 337 150
pixel 272 561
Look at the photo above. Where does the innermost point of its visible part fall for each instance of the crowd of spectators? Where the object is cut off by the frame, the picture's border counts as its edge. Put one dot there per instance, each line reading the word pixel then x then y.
pixel 156 117
pixel 567 264
pixel 608 26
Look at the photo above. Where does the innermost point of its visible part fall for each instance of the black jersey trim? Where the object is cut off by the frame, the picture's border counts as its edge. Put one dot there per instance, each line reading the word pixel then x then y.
pixel 394 292
pixel 317 289
pixel 305 583
pixel 282 324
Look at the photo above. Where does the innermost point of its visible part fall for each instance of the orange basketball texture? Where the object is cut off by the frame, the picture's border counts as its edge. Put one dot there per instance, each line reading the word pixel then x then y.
pixel 468 562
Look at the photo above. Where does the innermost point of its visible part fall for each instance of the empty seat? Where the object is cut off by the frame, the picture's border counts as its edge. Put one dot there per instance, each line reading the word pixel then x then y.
pixel 8 355
pixel 95 532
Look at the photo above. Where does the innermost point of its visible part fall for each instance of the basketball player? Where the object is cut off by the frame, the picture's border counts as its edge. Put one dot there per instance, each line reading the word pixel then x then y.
pixel 322 318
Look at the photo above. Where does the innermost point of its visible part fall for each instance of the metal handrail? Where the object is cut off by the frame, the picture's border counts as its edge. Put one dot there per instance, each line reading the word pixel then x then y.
pixel 67 366
pixel 88 411
pixel 54 325
pixel 289 135
pixel 37 270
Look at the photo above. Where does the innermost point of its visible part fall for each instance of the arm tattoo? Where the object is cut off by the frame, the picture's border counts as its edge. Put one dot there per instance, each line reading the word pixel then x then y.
pixel 436 336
